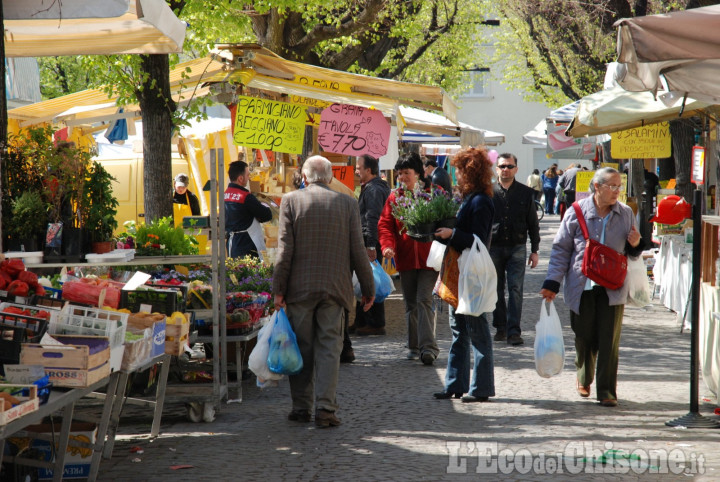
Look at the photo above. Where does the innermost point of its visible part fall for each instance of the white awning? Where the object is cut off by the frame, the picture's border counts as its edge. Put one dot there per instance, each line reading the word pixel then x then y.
pixel 38 28
pixel 439 149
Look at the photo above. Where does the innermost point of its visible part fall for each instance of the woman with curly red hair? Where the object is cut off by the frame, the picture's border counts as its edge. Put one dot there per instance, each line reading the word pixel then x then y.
pixel 474 177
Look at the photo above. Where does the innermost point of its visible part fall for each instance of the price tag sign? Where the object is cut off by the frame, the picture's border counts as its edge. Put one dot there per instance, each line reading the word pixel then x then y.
pixel 698 165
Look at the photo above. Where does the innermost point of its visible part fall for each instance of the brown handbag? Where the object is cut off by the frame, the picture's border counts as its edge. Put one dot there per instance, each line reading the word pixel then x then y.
pixel 446 286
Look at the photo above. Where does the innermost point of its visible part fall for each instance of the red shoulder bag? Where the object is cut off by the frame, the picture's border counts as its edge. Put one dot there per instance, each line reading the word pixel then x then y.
pixel 601 263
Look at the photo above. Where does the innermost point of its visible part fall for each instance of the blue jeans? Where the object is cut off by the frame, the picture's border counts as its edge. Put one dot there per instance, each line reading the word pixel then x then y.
pixel 510 266
pixel 549 200
pixel 470 331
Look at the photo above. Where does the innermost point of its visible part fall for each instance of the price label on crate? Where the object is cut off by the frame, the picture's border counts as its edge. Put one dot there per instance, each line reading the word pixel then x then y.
pixel 145 308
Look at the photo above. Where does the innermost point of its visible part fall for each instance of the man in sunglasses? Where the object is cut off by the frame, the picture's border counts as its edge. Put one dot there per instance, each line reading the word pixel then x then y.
pixel 515 219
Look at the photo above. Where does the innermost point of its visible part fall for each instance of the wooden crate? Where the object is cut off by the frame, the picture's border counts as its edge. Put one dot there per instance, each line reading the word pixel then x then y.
pixel 27 404
pixel 71 365
pixel 176 337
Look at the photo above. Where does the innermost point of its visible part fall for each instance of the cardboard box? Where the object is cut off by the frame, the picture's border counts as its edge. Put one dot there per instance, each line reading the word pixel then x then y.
pixel 27 404
pixel 70 365
pixel 77 458
pixel 156 323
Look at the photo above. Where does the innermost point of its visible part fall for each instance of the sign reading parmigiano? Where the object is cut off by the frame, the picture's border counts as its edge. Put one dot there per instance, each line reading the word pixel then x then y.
pixel 269 125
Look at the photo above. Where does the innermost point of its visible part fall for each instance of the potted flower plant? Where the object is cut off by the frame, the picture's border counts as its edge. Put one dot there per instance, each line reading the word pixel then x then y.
pixel 99 208
pixel 420 212
pixel 28 221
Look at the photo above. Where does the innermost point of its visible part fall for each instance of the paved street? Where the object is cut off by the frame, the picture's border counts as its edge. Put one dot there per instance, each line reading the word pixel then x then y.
pixel 393 429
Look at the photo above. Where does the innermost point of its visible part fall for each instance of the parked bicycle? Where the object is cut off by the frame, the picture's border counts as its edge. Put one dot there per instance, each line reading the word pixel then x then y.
pixel 540 210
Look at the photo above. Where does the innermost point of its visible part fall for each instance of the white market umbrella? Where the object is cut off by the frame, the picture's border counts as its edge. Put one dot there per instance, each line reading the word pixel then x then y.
pixel 617 109
pixel 37 28
pixel 680 49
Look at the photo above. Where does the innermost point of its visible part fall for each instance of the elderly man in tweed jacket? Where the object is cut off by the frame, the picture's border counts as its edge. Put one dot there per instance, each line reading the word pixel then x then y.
pixel 320 244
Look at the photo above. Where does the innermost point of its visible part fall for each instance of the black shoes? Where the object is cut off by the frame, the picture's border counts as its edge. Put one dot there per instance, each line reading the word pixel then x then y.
pixel 446 395
pixel 299 416
pixel 347 355
pixel 473 399
pixel 325 419
pixel 515 340
pixel 427 358
pixel 500 336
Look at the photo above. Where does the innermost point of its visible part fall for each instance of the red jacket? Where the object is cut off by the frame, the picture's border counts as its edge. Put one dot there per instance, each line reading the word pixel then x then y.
pixel 409 254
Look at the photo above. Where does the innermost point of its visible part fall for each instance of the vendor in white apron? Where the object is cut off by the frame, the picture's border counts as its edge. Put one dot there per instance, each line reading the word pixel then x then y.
pixel 243 215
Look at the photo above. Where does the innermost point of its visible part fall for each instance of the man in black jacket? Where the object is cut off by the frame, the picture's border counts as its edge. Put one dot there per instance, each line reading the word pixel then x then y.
pixel 373 194
pixel 243 215
pixel 515 218
pixel 437 175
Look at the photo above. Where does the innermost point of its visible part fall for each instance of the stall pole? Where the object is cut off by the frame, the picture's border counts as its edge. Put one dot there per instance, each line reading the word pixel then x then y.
pixel 693 419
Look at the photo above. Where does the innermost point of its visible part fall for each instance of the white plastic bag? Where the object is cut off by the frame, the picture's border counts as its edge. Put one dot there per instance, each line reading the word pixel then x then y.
pixel 257 362
pixel 637 282
pixel 477 282
pixel 549 345
pixel 435 257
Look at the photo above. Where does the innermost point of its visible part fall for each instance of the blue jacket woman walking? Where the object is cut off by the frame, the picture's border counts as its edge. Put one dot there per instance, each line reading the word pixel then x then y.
pixel 549 181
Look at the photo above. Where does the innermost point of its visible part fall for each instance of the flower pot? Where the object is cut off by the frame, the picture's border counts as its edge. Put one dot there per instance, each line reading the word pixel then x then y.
pixel 421 229
pixel 447 223
pixel 102 247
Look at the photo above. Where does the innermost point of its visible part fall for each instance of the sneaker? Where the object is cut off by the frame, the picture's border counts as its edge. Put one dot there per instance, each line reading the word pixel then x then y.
pixel 500 336
pixel 515 340
pixel 325 419
pixel 347 355
pixel 427 358
pixel 369 330
pixel 302 416
pixel 413 354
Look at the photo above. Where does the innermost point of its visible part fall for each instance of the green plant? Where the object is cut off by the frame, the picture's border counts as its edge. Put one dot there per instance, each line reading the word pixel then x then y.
pixel 422 207
pixel 99 206
pixel 160 238
pixel 29 216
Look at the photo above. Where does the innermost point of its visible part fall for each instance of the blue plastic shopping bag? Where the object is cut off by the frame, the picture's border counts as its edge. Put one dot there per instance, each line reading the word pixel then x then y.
pixel 383 282
pixel 284 356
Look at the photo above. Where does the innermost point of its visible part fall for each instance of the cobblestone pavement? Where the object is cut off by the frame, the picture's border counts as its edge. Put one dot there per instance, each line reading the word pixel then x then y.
pixel 393 429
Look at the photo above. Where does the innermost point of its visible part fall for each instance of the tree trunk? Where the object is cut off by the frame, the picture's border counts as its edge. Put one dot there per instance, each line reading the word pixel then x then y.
pixel 157 108
pixel 683 138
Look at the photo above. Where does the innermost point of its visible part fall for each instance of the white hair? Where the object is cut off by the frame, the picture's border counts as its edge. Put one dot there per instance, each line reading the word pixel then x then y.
pixel 602 176
pixel 317 169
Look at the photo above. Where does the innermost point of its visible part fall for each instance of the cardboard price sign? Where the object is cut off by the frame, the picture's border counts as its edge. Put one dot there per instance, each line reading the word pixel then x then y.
pixel 642 142
pixel 346 175
pixel 269 125
pixel 353 131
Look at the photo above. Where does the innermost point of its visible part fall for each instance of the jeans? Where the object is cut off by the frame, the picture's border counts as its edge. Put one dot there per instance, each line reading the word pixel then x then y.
pixel 549 200
pixel 470 331
pixel 510 265
pixel 417 286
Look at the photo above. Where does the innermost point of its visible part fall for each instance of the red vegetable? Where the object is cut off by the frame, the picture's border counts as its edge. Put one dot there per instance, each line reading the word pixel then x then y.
pixel 8 279
pixel 3 283
pixel 40 290
pixel 28 277
pixel 18 288
pixel 12 266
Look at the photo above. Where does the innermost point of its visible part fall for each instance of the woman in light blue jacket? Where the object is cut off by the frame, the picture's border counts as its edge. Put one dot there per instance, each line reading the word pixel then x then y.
pixel 596 312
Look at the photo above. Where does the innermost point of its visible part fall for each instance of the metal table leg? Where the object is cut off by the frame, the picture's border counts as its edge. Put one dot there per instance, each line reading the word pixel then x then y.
pixel 112 418
pixel 160 396
pixel 59 468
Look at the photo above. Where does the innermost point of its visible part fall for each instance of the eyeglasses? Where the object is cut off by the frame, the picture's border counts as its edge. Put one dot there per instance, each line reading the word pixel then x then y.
pixel 506 166
pixel 619 188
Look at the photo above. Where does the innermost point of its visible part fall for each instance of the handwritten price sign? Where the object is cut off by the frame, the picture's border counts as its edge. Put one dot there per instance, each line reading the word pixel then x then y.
pixel 269 125
pixel 353 131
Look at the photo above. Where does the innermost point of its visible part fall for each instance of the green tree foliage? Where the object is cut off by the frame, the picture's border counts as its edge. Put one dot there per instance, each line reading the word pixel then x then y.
pixel 556 51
